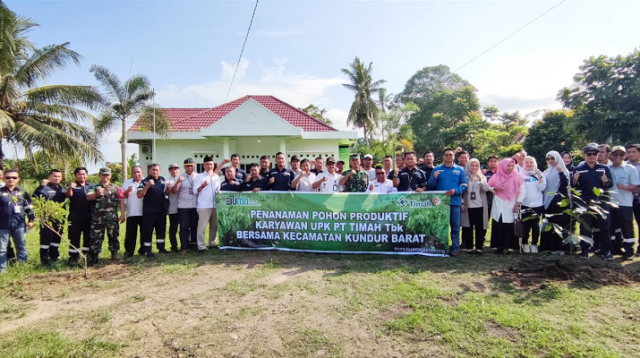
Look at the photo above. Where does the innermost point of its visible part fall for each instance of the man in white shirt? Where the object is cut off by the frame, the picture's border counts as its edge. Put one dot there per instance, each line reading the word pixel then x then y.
pixel 328 181
pixel 633 156
pixel 625 183
pixel 206 185
pixel 381 185
pixel 295 165
pixel 367 166
pixel 187 207
pixel 134 211
pixel 304 181
pixel 174 221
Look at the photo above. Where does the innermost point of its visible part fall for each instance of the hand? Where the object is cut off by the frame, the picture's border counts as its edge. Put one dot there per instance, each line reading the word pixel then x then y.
pixel 484 171
pixel 436 174
pixel 256 190
pixel 539 173
pixel 29 225
pixel 101 191
pixel 151 182
pixel 497 189
pixel 126 192
pixel 179 180
pixel 232 182
pixel 419 190
pixel 463 208
pixel 395 172
pixel 44 182
pixel 451 192
pixel 325 178
pixel 206 182
pixel 122 219
pixel 576 176
pixel 458 149
pixel 170 183
pixel 272 180
pixel 73 185
pixel 622 187
pixel 225 161
pixel 352 172
pixel 371 187
pixel 559 168
pixel 516 209
pixel 604 178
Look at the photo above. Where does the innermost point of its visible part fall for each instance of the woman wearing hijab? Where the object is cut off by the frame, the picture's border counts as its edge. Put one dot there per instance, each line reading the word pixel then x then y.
pixel 509 191
pixel 474 209
pixel 557 189
pixel 533 204
pixel 567 158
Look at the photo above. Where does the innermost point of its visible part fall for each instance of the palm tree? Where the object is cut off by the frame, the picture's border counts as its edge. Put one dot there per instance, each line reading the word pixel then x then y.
pixel 41 117
pixel 384 99
pixel 364 108
pixel 124 100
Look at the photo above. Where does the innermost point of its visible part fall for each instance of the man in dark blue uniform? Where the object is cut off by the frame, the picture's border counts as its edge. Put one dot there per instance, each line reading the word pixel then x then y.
pixel 235 164
pixel 410 178
pixel 587 176
pixel 265 166
pixel 254 182
pixel 50 189
pixel 427 166
pixel 231 181
pixel 280 178
pixel 79 215
pixel 154 215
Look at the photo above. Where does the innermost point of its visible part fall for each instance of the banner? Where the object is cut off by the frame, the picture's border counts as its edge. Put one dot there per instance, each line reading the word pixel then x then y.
pixel 398 224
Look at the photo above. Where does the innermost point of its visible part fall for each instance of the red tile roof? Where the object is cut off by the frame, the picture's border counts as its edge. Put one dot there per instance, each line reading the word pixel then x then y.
pixel 193 119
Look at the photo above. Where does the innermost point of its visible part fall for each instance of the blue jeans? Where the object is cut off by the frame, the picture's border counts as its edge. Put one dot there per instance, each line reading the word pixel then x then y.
pixel 18 236
pixel 454 222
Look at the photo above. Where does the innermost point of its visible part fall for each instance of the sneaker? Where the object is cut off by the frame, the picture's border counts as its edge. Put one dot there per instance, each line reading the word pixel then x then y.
pixel 607 257
pixel 584 254
pixel 470 251
pixel 454 253
pixel 638 252
pixel 627 257
pixel 93 260
pixel 478 251
pixel 534 249
pixel 211 244
pixel 526 249
pixel 163 251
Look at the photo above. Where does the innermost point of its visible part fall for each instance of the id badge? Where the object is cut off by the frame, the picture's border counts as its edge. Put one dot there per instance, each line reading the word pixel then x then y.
pixel 191 190
pixel 473 195
pixel 17 209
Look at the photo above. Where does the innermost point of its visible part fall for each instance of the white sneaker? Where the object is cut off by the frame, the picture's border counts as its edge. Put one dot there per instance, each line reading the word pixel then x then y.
pixel 534 249
pixel 526 249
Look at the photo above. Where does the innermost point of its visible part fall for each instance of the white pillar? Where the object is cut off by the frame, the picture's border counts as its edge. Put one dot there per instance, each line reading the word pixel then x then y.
pixel 283 147
pixel 225 149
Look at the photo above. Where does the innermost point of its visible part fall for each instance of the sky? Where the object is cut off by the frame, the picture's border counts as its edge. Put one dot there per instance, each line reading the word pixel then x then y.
pixel 189 49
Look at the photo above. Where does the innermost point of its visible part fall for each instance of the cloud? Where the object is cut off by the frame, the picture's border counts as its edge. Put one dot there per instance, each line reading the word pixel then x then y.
pixel 339 119
pixel 298 89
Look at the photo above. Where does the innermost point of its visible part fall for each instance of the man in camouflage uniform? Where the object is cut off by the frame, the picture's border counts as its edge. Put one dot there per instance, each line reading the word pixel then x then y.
pixel 104 215
pixel 355 180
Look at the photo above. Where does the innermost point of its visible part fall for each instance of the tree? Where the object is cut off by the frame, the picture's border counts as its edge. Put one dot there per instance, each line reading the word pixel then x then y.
pixel 550 133
pixel 605 99
pixel 384 100
pixel 364 109
pixel 125 100
pixel 317 113
pixel 424 84
pixel 42 117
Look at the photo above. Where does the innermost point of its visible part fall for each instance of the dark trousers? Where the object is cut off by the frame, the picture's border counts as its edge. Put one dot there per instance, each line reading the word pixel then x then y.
pixel 79 229
pixel 49 245
pixel 597 222
pixel 622 235
pixel 636 214
pixel 151 221
pixel 134 224
pixel 502 235
pixel 174 221
pixel 531 226
pixel 550 240
pixel 188 227
pixel 476 223
pixel 11 254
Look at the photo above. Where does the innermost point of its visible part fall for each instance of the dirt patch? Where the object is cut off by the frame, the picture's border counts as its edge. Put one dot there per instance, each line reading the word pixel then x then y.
pixel 500 331
pixel 529 273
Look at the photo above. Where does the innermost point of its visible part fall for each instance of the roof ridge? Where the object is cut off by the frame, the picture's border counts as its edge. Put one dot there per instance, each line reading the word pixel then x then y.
pixel 302 112
pixel 207 110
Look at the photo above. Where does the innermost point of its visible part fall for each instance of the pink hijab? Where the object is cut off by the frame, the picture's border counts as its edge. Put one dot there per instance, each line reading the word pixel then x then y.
pixel 509 183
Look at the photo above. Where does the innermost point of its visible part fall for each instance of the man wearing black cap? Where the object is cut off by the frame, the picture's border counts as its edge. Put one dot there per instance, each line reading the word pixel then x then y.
pixel 588 176
pixel 174 221
pixel 328 181
pixel 154 213
pixel 355 180
pixel 295 166
pixel 187 203
pixel 280 178
pixel 50 189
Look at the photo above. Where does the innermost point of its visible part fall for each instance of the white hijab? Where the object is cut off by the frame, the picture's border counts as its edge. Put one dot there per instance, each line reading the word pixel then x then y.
pixel 553 177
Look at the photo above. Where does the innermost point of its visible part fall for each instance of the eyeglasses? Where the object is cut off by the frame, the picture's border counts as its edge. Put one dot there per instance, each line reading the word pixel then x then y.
pixel 618 155
pixel 11 178
pixel 550 159
pixel 379 173
pixel 592 154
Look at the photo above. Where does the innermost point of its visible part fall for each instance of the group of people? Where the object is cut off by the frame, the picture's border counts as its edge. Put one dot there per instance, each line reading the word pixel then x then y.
pixel 509 190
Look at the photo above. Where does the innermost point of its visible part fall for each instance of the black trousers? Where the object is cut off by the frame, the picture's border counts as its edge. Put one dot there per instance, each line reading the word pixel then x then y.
pixel 636 214
pixel 11 254
pixel 550 240
pixel 151 222
pixel 174 221
pixel 188 227
pixel 476 223
pixel 597 222
pixel 531 226
pixel 502 235
pixel 80 228
pixel 49 245
pixel 622 235
pixel 134 224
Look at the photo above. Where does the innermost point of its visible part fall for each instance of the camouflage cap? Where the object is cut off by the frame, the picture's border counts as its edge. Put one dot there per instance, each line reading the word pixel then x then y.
pixel 105 170
pixel 355 156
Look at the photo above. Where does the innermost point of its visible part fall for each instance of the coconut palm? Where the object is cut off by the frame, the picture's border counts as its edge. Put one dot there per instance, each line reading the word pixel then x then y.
pixel 41 117
pixel 123 101
pixel 364 108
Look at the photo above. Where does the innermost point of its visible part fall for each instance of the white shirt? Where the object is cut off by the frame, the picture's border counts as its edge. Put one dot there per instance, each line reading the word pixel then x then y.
pixel 385 187
pixel 134 204
pixel 173 198
pixel 207 196
pixel 305 183
pixel 187 195
pixel 332 183
pixel 372 174
pixel 504 208
pixel 534 189
pixel 624 174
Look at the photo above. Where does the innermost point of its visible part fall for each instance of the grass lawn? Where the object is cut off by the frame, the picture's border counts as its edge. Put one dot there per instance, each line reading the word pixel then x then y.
pixel 271 304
